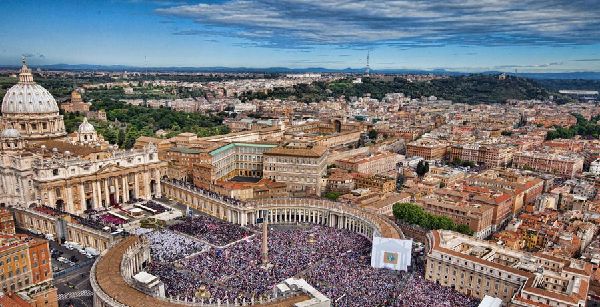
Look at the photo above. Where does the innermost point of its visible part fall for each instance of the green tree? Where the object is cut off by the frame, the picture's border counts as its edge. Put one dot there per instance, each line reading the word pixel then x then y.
pixel 332 195
pixel 414 214
pixel 120 137
pixel 462 228
pixel 373 134
pixel 130 136
pixel 422 168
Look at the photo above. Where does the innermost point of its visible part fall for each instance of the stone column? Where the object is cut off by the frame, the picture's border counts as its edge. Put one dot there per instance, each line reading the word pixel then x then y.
pixel 69 205
pixel 99 193
pixel 51 198
pixel 136 185
pixel 94 195
pixel 106 192
pixel 117 190
pixel 82 197
pixel 125 189
pixel 158 191
pixel 148 193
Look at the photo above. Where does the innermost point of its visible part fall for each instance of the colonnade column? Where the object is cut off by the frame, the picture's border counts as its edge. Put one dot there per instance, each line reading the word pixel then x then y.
pixel 117 190
pixel 158 191
pixel 51 198
pixel 125 188
pixel 69 206
pixel 136 185
pixel 82 197
pixel 94 195
pixel 98 194
pixel 148 193
pixel 107 192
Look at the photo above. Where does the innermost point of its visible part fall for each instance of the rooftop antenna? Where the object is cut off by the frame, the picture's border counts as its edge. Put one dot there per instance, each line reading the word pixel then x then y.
pixel 368 68
pixel 74 83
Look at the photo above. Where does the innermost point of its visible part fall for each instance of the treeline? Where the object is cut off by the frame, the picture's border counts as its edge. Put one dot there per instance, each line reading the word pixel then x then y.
pixel 463 89
pixel 127 122
pixel 584 128
pixel 570 84
pixel 216 77
pixel 122 135
pixel 413 214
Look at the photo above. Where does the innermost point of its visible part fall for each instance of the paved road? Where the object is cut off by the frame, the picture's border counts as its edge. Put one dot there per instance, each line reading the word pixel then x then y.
pixel 66 253
pixel 73 287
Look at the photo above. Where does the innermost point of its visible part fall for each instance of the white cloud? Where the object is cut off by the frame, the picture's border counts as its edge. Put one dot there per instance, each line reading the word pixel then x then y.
pixel 347 22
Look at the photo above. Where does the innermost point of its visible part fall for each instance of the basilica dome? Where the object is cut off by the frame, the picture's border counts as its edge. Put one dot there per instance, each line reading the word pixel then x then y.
pixel 31 110
pixel 28 97
pixel 10 134
pixel 86 127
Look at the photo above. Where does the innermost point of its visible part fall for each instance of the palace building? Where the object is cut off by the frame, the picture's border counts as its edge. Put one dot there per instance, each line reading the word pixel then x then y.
pixel 41 165
pixel 76 104
pixel 478 268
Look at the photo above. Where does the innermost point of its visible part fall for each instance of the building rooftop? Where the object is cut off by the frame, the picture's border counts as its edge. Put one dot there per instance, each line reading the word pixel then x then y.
pixel 529 269
pixel 308 151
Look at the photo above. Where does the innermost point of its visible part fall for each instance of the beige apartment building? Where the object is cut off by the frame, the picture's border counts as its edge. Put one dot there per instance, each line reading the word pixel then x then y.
pixel 299 165
pixel 379 163
pixel 479 217
pixel 490 155
pixel 427 149
pixel 558 164
pixel 478 268
pixel 380 183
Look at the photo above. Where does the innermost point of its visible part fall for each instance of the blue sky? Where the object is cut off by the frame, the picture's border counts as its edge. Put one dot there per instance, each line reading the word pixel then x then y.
pixel 465 35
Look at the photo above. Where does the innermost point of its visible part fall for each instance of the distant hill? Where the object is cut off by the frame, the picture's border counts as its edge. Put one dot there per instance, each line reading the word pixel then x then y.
pixel 467 89
pixel 570 84
pixel 349 70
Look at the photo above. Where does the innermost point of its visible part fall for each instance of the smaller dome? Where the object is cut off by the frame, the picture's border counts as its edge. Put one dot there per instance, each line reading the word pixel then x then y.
pixel 10 134
pixel 86 127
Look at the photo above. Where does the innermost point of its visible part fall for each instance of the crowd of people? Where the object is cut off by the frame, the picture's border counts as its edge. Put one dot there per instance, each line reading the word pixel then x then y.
pixel 167 246
pixel 334 261
pixel 349 280
pixel 208 193
pixel 210 229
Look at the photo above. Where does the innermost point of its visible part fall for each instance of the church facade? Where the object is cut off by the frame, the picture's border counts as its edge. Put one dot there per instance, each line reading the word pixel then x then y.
pixel 41 165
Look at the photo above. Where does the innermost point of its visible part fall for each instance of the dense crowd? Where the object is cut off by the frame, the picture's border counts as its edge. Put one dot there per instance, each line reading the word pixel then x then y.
pixel 352 282
pixel 166 245
pixel 210 229
pixel 208 193
pixel 334 261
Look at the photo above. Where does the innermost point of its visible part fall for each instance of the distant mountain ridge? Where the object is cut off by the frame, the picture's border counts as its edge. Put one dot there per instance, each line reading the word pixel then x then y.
pixel 349 70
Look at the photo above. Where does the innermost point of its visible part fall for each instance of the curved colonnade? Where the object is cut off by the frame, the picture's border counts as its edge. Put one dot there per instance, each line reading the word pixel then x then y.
pixel 112 287
pixel 285 211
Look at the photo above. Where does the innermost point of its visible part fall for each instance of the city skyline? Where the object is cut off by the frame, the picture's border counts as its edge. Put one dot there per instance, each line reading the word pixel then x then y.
pixel 527 36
